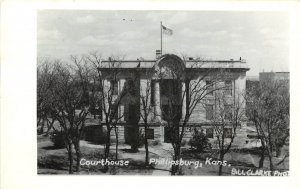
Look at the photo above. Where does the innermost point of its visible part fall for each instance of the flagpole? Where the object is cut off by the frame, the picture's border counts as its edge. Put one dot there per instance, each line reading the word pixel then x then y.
pixel 160 38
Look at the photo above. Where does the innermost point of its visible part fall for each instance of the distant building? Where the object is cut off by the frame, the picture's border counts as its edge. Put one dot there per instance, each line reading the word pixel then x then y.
pixel 267 76
pixel 131 122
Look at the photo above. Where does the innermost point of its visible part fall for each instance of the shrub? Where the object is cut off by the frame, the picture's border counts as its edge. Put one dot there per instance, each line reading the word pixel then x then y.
pixel 155 143
pixel 58 137
pixel 95 134
pixel 183 142
pixel 199 141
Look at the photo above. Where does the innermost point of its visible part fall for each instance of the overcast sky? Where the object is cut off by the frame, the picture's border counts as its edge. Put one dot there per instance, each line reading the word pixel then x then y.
pixel 262 38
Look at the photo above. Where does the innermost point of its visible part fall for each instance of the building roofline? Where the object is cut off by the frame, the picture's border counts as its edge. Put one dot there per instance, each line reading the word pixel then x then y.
pixel 137 61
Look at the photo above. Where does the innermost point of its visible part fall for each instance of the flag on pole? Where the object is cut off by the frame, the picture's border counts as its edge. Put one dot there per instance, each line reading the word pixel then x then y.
pixel 166 30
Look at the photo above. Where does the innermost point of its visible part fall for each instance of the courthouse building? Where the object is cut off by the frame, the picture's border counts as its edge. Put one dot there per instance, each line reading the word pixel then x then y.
pixel 134 75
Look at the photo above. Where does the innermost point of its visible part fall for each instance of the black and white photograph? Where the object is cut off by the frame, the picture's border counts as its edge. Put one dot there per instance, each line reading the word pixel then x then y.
pixel 163 92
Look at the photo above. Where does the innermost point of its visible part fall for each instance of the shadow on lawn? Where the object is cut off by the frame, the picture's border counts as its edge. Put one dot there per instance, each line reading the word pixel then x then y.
pixel 52 147
pixel 129 150
pixel 194 154
pixel 237 163
pixel 53 162
pixel 253 151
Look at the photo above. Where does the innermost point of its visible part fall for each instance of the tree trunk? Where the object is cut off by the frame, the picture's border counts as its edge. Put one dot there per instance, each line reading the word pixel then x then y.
pixel 271 164
pixel 279 151
pixel 117 142
pixel 175 168
pixel 78 155
pixel 70 157
pixel 42 127
pixel 262 158
pixel 50 125
pixel 146 147
pixel 107 149
pixel 147 152
pixel 39 120
pixel 221 165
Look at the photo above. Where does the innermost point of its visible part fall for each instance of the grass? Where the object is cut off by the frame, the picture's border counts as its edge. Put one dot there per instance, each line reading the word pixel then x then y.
pixel 52 160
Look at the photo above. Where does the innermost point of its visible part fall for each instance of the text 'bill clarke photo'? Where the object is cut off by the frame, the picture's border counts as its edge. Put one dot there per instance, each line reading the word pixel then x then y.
pixel 163 93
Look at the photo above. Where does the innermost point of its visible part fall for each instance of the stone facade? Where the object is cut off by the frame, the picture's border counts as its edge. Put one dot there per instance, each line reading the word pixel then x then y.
pixel 137 76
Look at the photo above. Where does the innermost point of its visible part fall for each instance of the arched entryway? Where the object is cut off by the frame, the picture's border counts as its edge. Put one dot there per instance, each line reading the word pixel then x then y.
pixel 170 76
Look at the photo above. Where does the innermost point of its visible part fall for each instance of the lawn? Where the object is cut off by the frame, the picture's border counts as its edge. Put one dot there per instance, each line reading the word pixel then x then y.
pixel 53 160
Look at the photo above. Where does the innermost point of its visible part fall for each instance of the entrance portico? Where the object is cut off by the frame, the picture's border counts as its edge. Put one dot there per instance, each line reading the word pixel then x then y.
pixel 169 85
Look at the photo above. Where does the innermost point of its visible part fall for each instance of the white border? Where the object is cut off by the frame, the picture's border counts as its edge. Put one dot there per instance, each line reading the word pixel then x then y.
pixel 18 104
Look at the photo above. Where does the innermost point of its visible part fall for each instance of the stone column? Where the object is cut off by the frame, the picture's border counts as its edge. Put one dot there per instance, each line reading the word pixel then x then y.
pixel 121 107
pixel 121 85
pixel 122 115
pixel 183 92
pixel 157 110
pixel 145 95
pixel 106 87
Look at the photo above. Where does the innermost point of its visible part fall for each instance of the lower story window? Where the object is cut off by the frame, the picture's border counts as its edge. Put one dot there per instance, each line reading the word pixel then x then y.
pixel 149 134
pixel 210 133
pixel 227 132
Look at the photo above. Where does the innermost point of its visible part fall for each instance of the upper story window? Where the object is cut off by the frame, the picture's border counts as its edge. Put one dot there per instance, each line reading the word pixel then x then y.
pixel 209 111
pixel 228 87
pixel 228 111
pixel 114 112
pixel 131 86
pixel 152 92
pixel 114 87
pixel 209 88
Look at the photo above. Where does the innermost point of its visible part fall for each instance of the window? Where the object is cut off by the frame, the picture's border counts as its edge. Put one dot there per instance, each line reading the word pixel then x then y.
pixel 209 111
pixel 228 87
pixel 210 132
pixel 114 87
pixel 209 88
pixel 114 112
pixel 150 134
pixel 152 92
pixel 227 132
pixel 131 87
pixel 228 111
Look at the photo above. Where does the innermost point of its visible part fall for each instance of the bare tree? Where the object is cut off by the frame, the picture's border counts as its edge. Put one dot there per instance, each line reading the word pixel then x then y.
pixel 186 92
pixel 69 99
pixel 146 111
pixel 45 81
pixel 229 114
pixel 268 106
pixel 110 97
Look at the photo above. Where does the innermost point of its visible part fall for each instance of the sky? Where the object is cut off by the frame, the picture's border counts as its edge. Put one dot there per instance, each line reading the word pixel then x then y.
pixel 261 38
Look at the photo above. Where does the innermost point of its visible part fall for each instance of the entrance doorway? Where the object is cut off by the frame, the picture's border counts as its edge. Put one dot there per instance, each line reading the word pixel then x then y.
pixel 167 135
pixel 131 134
